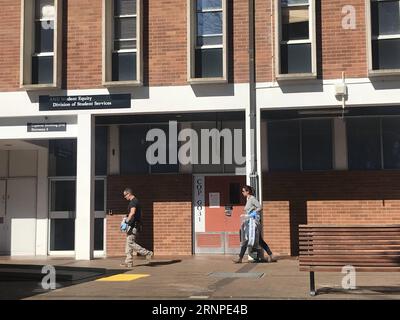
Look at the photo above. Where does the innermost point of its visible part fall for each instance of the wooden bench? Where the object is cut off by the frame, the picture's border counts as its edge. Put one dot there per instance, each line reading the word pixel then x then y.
pixel 367 248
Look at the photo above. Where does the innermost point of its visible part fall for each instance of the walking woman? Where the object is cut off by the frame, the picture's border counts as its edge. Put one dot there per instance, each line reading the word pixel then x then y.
pixel 250 235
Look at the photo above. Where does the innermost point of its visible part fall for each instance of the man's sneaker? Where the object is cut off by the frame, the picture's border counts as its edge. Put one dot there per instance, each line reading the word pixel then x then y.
pixel 149 256
pixel 126 265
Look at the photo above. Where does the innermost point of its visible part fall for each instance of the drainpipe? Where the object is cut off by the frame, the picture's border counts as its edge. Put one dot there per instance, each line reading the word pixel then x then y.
pixel 254 181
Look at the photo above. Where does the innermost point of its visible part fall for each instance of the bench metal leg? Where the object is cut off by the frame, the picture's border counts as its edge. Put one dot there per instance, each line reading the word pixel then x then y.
pixel 313 292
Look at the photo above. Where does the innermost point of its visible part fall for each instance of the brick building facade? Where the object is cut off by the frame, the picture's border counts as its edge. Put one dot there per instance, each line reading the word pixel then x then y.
pixel 328 122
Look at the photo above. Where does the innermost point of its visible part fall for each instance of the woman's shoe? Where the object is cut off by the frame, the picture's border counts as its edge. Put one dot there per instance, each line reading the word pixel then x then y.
pixel 237 260
pixel 272 258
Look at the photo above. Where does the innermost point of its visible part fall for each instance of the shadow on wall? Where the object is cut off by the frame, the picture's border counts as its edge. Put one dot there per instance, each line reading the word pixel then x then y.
pixel 336 197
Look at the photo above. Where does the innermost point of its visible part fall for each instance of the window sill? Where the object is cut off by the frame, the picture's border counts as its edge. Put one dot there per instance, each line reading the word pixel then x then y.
pixel 33 87
pixel 207 80
pixel 296 76
pixel 384 73
pixel 115 84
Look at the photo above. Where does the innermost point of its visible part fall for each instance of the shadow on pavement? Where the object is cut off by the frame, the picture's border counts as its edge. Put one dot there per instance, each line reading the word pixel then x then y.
pixel 159 263
pixel 364 290
pixel 23 281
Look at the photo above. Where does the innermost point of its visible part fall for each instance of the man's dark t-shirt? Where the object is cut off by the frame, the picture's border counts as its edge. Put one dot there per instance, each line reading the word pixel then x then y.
pixel 134 203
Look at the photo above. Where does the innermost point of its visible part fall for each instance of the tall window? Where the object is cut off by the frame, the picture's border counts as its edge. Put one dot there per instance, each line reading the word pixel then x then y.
pixel 125 50
pixel 364 144
pixel 296 50
pixel 208 40
pixel 385 34
pixel 41 43
pixel 42 60
pixel 122 42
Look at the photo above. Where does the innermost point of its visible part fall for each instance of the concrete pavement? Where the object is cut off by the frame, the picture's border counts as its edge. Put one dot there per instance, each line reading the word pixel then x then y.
pixel 200 277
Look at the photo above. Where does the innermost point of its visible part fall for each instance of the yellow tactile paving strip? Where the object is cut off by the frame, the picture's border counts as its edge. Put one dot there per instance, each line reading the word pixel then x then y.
pixel 123 277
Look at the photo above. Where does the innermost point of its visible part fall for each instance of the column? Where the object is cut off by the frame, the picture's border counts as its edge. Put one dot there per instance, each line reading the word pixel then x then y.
pixel 84 222
pixel 340 144
pixel 42 228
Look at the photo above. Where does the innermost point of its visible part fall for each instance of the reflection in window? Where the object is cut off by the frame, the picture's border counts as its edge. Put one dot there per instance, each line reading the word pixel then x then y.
pixel 124 57
pixel 385 24
pixel 317 145
pixel 209 39
pixel 391 142
pixel 295 37
pixel 364 144
pixel 284 146
pixel 43 55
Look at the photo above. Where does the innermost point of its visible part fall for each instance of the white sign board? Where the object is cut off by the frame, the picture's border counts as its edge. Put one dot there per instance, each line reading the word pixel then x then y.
pixel 214 199
pixel 199 204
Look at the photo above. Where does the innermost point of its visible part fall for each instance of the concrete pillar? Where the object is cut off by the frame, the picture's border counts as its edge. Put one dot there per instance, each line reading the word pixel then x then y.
pixel 42 228
pixel 84 222
pixel 248 145
pixel 340 144
pixel 260 143
pixel 264 146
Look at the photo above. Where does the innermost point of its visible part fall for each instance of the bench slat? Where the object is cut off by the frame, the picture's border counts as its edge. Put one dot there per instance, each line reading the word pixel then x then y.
pixel 350 258
pixel 348 242
pixel 359 269
pixel 355 264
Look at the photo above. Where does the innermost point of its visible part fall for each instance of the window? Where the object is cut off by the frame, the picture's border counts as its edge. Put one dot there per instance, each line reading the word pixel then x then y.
pixel 317 145
pixel 364 144
pixel 234 193
pixel 295 145
pixel 207 42
pixel 122 43
pixel 296 49
pixel 133 148
pixel 41 44
pixel 62 213
pixel 284 146
pixel 391 142
pixel 384 39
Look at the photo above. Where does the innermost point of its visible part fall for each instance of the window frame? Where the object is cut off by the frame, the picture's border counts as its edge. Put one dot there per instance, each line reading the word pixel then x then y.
pixel 374 72
pixel 108 46
pixel 192 45
pixel 312 40
pixel 27 41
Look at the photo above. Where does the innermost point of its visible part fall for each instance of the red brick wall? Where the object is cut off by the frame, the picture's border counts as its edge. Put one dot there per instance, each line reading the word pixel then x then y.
pixel 354 212
pixel 342 50
pixel 276 226
pixel 9 44
pixel 82 61
pixel 165 42
pixel 338 197
pixel 166 210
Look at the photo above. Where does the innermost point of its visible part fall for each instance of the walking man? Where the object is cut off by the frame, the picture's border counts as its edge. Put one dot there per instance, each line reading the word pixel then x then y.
pixel 133 220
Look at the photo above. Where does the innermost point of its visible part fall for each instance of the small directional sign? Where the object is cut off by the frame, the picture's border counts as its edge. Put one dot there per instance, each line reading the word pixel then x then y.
pixel 47 127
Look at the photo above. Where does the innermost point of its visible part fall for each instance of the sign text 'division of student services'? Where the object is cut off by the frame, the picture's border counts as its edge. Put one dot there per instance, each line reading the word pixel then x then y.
pixel 85 102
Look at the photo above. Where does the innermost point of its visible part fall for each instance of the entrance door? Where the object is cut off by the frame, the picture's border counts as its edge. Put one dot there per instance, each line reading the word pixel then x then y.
pixel 218 205
pixel 4 227
pixel 21 215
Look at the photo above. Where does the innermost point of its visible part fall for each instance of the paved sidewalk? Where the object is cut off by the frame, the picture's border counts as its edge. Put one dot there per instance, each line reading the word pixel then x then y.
pixel 200 277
